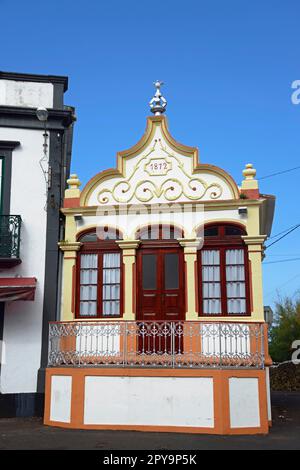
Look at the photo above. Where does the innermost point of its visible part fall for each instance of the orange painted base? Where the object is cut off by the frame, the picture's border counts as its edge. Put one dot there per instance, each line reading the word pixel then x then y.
pixel 221 398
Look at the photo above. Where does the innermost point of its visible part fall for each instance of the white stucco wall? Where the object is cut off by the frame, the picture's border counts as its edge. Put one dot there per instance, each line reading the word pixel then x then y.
pixel 244 402
pixel 189 217
pixel 23 319
pixel 174 181
pixel 26 94
pixel 154 401
pixel 61 393
pixel 268 393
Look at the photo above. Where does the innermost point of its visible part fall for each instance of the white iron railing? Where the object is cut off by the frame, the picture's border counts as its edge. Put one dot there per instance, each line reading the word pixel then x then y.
pixel 156 344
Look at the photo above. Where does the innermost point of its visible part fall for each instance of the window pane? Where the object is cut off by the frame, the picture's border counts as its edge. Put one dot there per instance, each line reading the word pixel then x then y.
pixel 149 271
pixel 89 237
pixel 88 276
pixel 169 232
pixel 88 308
pixel 210 257
pixel 111 284
pixel 111 292
pixel 211 306
pixel 234 256
pixel 235 273
pixel 235 289
pixel 88 293
pixel 211 273
pixel 111 276
pixel 171 271
pixel 88 284
pixel 111 260
pixel 211 232
pixel 232 230
pixel 211 290
pixel 235 282
pixel 236 306
pixel 89 261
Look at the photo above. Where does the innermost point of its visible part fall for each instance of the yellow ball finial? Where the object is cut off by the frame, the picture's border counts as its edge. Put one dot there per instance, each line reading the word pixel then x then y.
pixel 73 181
pixel 249 172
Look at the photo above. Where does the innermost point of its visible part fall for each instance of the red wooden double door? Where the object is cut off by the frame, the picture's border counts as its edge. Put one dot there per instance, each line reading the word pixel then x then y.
pixel 160 286
pixel 160 296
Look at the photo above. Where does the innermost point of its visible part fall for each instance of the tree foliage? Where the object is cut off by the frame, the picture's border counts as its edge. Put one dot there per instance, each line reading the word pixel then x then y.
pixel 285 330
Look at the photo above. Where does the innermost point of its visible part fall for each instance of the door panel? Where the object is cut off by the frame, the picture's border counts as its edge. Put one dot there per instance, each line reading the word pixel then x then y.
pixel 160 286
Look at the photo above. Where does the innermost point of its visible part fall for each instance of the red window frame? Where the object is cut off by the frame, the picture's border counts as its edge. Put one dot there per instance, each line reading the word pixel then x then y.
pixel 223 242
pixel 99 248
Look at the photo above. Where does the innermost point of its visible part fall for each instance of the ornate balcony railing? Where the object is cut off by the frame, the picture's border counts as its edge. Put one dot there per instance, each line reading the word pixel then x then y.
pixel 156 344
pixel 10 233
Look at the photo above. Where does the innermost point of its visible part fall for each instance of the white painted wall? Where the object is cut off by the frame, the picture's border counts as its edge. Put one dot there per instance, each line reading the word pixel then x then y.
pixel 23 319
pixel 268 393
pixel 155 401
pixel 61 393
pixel 176 184
pixel 244 402
pixel 189 218
pixel 26 94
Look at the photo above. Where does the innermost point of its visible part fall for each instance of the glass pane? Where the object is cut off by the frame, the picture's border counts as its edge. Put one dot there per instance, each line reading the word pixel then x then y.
pixel 210 257
pixel 149 271
pixel 232 230
pixel 235 273
pixel 111 276
pixel 211 307
pixel 111 260
pixel 171 271
pixel 88 293
pixel 211 273
pixel 235 289
pixel 211 290
pixel 169 232
pixel 89 261
pixel 236 306
pixel 234 256
pixel 88 308
pixel 211 232
pixel 89 237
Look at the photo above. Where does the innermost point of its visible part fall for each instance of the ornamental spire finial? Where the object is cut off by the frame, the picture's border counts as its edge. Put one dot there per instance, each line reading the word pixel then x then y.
pixel 158 103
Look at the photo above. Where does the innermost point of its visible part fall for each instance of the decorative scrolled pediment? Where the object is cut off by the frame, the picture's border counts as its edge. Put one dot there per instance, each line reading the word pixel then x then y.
pixel 158 170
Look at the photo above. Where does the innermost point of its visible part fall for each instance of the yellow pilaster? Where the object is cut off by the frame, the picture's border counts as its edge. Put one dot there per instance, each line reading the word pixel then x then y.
pixel 67 299
pixel 190 246
pixel 255 254
pixel 128 248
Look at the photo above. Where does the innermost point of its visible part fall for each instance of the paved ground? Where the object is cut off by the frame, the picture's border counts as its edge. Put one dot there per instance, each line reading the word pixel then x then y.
pixel 31 434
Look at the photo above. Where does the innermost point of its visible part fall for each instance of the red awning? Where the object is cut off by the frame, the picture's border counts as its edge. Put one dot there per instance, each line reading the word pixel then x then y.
pixel 17 288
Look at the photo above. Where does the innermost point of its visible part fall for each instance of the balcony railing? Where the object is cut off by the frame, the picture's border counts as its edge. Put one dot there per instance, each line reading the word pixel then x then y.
pixel 10 233
pixel 156 344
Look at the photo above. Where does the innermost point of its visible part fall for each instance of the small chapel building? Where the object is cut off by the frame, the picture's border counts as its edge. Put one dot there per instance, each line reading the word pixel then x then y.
pixel 162 316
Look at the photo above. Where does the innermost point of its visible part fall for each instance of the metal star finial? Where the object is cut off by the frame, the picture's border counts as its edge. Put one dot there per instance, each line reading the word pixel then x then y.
pixel 158 103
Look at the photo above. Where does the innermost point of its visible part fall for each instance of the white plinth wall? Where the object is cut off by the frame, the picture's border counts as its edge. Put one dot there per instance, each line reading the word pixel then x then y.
pixel 195 401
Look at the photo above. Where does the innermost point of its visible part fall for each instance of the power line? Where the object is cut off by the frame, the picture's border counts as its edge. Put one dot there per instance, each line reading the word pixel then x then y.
pixel 281 261
pixel 279 173
pixel 282 285
pixel 283 236
pixel 283 231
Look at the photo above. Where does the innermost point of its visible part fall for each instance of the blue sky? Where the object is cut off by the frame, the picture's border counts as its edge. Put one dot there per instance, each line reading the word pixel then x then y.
pixel 228 68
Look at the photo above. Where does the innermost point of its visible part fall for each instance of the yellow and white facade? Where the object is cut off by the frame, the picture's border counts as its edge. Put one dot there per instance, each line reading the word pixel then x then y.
pixel 209 374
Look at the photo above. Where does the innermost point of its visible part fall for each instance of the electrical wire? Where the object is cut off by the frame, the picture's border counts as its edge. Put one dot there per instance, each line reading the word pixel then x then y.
pixel 279 173
pixel 283 236
pixel 281 261
pixel 283 231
